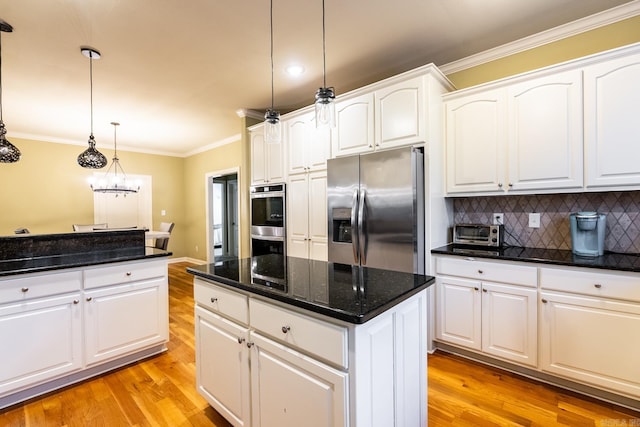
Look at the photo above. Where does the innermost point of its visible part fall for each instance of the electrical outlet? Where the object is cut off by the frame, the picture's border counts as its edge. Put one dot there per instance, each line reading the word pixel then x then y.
pixel 534 220
pixel 498 219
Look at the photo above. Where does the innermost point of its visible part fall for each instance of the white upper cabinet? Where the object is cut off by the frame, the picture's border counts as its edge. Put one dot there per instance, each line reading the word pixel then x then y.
pixel 354 125
pixel 400 115
pixel 309 146
pixel 545 133
pixel 612 123
pixel 267 160
pixel 523 137
pixel 476 142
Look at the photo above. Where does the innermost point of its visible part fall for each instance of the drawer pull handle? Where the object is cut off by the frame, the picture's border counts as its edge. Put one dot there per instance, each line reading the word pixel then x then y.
pixel 89 298
pixel 480 271
pixel 214 299
pixel 598 285
pixel 285 329
pixel 128 273
pixel 75 301
pixel 25 289
pixel 544 301
pixel 241 340
pixel 249 344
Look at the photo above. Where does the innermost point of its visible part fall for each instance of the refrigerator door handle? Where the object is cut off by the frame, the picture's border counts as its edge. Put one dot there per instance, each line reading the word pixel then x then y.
pixel 361 232
pixel 355 241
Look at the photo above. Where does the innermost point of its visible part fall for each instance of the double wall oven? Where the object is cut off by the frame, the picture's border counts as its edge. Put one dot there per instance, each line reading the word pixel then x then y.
pixel 268 209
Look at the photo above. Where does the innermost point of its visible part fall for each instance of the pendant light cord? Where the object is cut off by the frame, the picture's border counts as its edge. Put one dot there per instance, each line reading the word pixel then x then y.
pixel 1 76
pixel 324 52
pixel 271 24
pixel 91 87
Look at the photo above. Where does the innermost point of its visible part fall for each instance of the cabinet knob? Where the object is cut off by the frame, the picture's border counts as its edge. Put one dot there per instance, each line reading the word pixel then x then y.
pixel 214 299
pixel 544 301
pixel 76 301
pixel 598 285
pixel 510 185
pixel 484 290
pixel 476 288
pixel 249 344
pixel 25 289
pixel 480 272
pixel 240 340
pixel 500 185
pixel 89 298
pixel 128 273
pixel 285 329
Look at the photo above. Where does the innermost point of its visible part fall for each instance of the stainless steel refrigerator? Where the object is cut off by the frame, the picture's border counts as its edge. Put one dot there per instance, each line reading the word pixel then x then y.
pixel 376 210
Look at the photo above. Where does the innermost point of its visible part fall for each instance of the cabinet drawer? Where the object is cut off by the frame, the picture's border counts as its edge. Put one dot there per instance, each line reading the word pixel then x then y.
pixel 228 303
pixel 487 270
pixel 321 339
pixel 123 273
pixel 619 285
pixel 39 285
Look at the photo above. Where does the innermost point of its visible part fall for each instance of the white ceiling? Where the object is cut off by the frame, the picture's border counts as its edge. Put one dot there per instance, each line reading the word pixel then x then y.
pixel 174 73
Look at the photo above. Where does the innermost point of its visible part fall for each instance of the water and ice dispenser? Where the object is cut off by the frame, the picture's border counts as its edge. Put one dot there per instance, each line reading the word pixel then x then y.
pixel 587 233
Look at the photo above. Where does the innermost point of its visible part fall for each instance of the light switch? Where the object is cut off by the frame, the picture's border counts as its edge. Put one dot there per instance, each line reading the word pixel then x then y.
pixel 534 220
pixel 163 212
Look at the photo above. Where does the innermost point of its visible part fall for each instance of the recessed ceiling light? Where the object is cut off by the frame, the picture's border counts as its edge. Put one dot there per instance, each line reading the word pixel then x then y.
pixel 294 70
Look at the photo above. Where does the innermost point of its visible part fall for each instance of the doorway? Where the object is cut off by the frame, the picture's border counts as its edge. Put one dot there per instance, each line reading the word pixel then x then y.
pixel 222 216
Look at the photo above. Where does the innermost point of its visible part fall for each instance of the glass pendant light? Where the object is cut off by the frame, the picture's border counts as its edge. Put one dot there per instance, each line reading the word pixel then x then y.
pixel 9 153
pixel 115 180
pixel 325 96
pixel 272 124
pixel 91 158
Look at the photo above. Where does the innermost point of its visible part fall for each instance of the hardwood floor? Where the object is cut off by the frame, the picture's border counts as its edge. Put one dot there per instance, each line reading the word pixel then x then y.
pixel 160 391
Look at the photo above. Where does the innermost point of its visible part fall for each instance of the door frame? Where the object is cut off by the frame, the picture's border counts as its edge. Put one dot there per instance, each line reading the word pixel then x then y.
pixel 208 188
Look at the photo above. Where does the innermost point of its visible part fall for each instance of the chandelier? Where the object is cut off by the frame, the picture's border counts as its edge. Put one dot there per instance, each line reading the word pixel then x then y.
pixel 115 180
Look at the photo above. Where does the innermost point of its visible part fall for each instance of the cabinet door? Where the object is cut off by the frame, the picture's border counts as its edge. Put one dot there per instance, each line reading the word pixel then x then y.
pixel 297 134
pixel 275 162
pixel 400 115
pixel 222 366
pixel 318 215
pixel 258 158
pixel 459 316
pixel 354 126
pixel 289 389
pixel 509 322
pixel 612 96
pixel 41 341
pixel 125 318
pixel 592 340
pixel 545 133
pixel 319 145
pixel 476 143
pixel 298 217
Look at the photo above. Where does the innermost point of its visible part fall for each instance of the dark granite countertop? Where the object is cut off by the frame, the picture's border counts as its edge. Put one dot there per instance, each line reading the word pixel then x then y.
pixel 350 293
pixel 58 262
pixel 608 261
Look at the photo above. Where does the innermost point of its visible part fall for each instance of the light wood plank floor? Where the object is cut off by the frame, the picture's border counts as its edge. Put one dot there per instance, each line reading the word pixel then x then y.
pixel 160 391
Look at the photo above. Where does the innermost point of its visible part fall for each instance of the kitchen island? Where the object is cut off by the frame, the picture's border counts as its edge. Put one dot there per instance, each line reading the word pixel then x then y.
pixel 289 341
pixel 75 305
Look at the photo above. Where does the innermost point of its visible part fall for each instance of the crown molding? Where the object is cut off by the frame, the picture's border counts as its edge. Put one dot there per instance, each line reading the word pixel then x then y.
pixel 230 140
pixel 610 16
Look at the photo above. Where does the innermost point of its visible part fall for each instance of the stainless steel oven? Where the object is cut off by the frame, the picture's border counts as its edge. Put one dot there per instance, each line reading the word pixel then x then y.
pixel 268 222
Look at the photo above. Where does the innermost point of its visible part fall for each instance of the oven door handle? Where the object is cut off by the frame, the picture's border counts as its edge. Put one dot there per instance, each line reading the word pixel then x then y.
pixel 355 233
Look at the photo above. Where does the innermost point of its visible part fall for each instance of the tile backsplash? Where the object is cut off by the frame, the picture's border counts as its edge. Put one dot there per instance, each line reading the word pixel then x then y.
pixel 622 209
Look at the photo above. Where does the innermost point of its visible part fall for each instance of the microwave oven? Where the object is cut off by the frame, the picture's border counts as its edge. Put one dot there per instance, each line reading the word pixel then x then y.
pixel 478 235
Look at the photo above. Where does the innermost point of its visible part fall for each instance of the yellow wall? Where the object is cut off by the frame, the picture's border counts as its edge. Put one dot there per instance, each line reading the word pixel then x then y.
pixel 47 192
pixel 615 35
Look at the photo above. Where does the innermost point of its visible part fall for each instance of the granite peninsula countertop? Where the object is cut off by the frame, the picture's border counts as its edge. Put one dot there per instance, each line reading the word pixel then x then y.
pixel 608 261
pixel 350 293
pixel 36 253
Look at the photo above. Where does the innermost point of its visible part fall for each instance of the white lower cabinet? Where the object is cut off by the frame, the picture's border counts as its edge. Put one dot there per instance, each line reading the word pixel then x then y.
pixel 61 324
pixel 588 332
pixel 293 368
pixel 499 319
